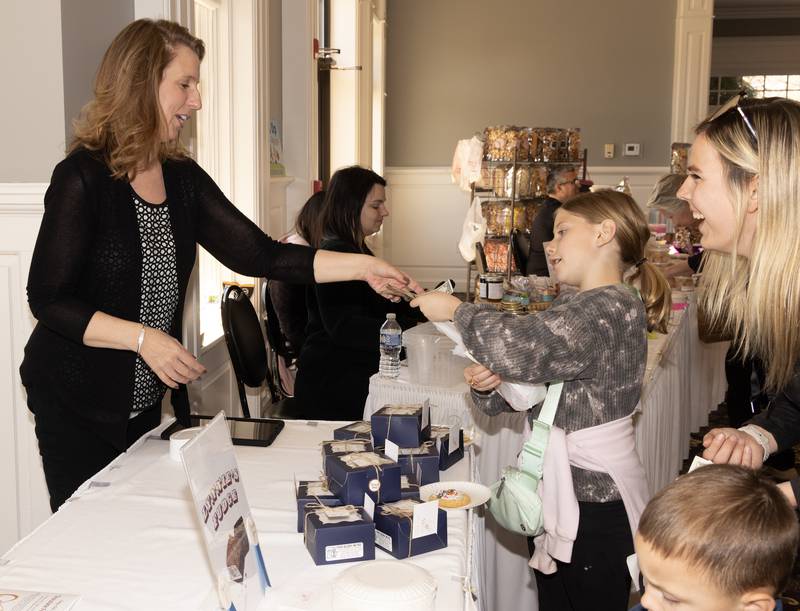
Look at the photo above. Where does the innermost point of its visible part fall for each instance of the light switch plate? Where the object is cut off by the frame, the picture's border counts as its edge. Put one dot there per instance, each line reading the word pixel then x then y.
pixel 608 151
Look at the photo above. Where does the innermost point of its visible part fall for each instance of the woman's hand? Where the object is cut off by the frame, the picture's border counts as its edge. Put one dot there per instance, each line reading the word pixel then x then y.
pixel 733 447
pixel 332 266
pixel 382 277
pixel 481 379
pixel 169 360
pixel 436 306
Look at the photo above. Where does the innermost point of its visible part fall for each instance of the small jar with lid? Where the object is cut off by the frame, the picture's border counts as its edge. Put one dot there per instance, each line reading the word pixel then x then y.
pixel 491 287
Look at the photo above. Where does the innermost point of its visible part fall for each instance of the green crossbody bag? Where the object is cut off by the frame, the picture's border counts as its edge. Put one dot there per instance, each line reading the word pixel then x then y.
pixel 515 502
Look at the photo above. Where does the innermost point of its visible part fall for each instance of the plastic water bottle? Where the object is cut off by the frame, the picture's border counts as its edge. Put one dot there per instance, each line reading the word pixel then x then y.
pixel 391 342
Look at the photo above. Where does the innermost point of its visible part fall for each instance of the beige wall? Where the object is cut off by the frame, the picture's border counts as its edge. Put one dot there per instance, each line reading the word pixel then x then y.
pixel 32 102
pixel 87 28
pixel 455 66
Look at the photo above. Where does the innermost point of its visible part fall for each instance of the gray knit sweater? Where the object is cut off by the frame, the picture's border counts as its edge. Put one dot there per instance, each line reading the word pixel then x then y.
pixel 595 341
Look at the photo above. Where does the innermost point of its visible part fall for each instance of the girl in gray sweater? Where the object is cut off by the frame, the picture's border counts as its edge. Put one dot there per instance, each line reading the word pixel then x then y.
pixel 595 342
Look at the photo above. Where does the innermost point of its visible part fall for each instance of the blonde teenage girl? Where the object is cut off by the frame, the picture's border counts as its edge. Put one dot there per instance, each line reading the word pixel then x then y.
pixel 744 184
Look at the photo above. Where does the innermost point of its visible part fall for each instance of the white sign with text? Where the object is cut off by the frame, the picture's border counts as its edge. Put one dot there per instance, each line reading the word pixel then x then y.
pixel 228 528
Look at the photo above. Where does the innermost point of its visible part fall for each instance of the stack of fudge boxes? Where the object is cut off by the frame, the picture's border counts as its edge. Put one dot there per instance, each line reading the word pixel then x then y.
pixel 370 493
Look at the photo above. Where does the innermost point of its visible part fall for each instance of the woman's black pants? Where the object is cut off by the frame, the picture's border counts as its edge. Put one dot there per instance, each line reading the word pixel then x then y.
pixel 71 452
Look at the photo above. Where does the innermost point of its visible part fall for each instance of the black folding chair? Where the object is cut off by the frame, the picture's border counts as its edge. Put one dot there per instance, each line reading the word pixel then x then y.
pixel 245 343
pixel 277 346
pixel 249 359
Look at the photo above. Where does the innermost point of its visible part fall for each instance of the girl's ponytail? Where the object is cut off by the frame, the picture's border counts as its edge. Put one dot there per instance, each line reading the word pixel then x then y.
pixel 656 295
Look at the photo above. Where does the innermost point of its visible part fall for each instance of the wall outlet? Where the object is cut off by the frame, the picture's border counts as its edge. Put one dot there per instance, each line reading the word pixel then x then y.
pixel 632 149
pixel 608 151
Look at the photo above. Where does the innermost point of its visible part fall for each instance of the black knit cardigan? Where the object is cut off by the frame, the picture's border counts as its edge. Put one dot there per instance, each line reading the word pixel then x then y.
pixel 88 258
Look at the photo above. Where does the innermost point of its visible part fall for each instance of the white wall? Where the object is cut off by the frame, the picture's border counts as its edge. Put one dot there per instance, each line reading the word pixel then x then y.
pixel 32 124
pixel 25 500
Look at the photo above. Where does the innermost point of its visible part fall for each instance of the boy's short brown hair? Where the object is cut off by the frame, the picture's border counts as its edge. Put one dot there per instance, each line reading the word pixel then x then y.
pixel 736 528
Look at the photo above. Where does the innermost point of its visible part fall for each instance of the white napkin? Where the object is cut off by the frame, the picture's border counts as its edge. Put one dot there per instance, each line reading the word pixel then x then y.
pixel 519 396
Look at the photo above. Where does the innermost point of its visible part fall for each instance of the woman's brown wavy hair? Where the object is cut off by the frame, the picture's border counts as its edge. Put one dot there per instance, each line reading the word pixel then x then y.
pixel 124 120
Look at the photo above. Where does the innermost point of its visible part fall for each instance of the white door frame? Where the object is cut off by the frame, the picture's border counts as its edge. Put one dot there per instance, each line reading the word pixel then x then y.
pixel 692 66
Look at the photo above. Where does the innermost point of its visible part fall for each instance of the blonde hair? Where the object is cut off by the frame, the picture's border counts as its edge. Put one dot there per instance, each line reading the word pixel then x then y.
pixel 743 540
pixel 632 236
pixel 758 298
pixel 124 120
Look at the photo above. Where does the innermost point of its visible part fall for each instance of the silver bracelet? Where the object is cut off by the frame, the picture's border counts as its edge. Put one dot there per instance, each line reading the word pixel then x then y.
pixel 760 437
pixel 140 340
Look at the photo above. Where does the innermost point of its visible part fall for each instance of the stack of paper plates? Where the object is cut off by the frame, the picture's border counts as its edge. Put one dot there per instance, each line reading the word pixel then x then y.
pixel 388 585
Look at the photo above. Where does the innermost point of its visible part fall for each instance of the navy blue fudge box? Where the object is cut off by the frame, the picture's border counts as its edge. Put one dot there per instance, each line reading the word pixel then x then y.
pixel 409 488
pixel 360 429
pixel 313 492
pixel 344 446
pixel 338 534
pixel 350 476
pixel 441 435
pixel 393 530
pixel 422 461
pixel 402 424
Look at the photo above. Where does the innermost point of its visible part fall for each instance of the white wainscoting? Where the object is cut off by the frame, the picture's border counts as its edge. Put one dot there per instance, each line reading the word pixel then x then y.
pixel 427 211
pixel 25 500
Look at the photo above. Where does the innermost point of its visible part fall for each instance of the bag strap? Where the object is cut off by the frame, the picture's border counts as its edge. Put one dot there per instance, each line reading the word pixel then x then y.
pixel 532 456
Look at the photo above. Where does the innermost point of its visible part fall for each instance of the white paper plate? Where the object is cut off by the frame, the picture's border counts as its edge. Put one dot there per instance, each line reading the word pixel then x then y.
pixel 478 493
pixel 388 585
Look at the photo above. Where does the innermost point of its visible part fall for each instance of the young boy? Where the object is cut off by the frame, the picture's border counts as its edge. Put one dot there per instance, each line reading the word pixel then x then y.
pixel 717 539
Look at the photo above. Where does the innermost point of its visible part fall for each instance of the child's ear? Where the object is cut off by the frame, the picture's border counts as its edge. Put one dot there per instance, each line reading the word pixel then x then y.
pixel 606 233
pixel 757 601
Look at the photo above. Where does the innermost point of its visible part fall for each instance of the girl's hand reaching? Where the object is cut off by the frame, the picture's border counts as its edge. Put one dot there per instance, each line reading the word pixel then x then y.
pixel 436 306
pixel 481 379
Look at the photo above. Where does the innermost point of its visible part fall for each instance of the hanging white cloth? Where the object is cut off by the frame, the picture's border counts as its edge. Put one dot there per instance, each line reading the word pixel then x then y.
pixel 473 231
pixel 467 163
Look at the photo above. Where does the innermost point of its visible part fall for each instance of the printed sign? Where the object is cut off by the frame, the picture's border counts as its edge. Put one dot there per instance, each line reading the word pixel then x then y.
pixel 21 600
pixel 228 528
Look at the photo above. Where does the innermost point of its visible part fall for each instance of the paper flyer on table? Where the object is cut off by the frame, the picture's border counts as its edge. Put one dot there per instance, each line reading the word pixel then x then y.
pixel 22 600
pixel 229 530
pixel 520 396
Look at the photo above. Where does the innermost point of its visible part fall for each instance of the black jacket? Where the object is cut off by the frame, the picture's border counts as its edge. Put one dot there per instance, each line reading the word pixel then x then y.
pixel 342 350
pixel 88 258
pixel 542 231
pixel 782 419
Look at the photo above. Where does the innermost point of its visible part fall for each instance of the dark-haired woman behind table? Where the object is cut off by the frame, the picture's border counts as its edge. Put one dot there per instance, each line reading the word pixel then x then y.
pixel 342 349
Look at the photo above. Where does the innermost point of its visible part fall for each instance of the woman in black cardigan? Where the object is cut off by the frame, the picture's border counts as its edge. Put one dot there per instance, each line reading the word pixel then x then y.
pixel 341 351
pixel 124 213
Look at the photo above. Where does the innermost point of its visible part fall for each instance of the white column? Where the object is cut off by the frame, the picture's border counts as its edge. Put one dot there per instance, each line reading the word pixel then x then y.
pixel 299 19
pixel 692 66
pixel 365 80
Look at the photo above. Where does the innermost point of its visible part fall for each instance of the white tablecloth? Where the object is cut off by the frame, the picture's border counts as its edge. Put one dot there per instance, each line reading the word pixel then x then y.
pixel 684 381
pixel 129 539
